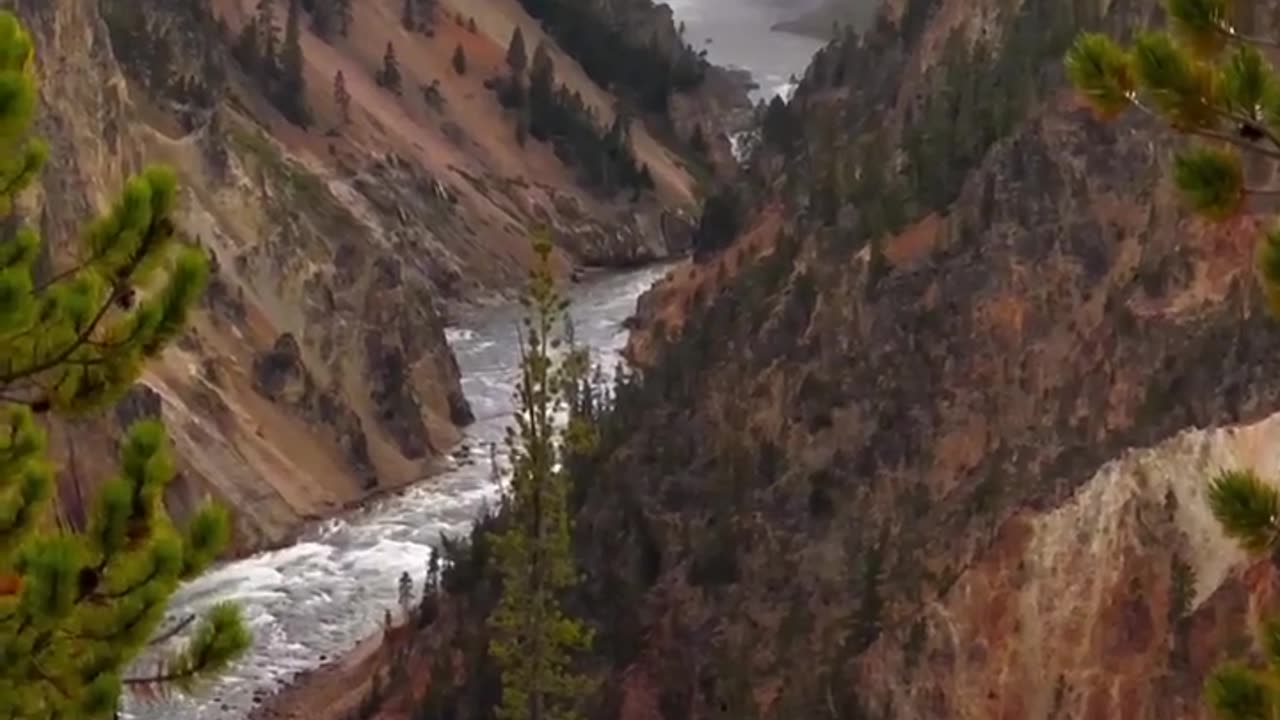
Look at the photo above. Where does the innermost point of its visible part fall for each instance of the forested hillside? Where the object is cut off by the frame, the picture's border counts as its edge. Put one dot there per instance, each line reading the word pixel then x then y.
pixel 921 428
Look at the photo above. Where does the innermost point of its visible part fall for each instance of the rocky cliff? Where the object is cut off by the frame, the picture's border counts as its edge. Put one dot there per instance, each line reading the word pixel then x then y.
pixel 317 372
pixel 946 464
pixel 931 439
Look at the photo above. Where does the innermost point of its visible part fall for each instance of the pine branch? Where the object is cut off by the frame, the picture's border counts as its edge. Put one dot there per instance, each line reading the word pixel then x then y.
pixel 1247 509
pixel 1209 134
pixel 1243 39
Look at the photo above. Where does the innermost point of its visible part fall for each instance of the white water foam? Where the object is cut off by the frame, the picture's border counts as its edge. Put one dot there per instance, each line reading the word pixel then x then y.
pixel 315 600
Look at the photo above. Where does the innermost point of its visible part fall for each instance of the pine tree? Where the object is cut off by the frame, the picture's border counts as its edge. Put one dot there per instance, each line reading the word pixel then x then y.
pixel 698 142
pixel 517 57
pixel 407 19
pixel 77 607
pixel 533 638
pixel 404 592
pixel 246 50
pixel 389 76
pixel 427 11
pixel 346 20
pixel 1208 81
pixel 292 94
pixel 268 42
pixel 341 97
pixel 324 18
pixel 542 86
pixel 459 61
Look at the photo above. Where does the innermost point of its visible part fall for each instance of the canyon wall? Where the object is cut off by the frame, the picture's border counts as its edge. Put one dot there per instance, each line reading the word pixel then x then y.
pixel 317 372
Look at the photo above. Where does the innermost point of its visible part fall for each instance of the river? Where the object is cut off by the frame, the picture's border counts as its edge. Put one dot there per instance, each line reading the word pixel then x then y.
pixel 737 33
pixel 313 601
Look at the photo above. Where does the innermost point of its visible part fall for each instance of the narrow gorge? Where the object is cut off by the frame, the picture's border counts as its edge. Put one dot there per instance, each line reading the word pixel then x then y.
pixel 929 365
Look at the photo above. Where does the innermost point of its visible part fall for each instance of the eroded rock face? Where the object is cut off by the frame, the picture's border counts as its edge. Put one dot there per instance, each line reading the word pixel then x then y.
pixel 846 498
pixel 280 375
pixel 272 380
pixel 317 368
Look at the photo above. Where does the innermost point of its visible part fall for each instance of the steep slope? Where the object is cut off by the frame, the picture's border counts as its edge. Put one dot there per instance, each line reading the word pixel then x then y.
pixel 931 441
pixel 318 371
pixel 899 502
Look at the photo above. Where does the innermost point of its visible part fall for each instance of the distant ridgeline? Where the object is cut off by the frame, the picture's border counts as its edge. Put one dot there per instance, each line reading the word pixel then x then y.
pixel 610 46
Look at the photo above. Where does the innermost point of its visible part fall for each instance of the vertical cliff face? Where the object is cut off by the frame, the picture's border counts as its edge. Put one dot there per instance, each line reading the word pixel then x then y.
pixel 317 371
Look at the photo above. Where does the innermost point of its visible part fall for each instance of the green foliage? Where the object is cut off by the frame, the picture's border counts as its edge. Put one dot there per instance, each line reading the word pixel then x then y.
pixel 174 54
pixel 276 65
pixel 389 76
pixel 1236 692
pixel 1268 263
pixel 1101 70
pixel 779 127
pixel 1247 508
pixel 517 55
pixel 290 95
pixel 555 114
pixel 719 224
pixel 1202 24
pixel 533 638
pixel 1182 585
pixel 980 92
pixel 459 61
pixel 642 71
pixel 1204 79
pixel 77 607
pixel 1188 78
pixel 342 97
pixel 1211 179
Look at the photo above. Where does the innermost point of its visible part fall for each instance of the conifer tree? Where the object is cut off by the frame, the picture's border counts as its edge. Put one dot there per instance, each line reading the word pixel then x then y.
pixel 517 56
pixel 533 638
pixel 404 592
pixel 698 142
pixel 342 97
pixel 246 50
pixel 268 68
pixel 407 19
pixel 427 11
pixel 1214 84
pixel 345 18
pixel 389 75
pixel 292 93
pixel 77 607
pixel 324 18
pixel 459 61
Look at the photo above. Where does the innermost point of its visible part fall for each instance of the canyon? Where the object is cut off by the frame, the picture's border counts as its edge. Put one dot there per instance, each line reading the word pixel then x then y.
pixel 928 438
pixel 318 373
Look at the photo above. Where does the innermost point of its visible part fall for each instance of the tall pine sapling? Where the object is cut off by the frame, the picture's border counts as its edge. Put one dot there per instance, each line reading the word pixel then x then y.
pixel 517 55
pixel 342 97
pixel 78 607
pixel 404 592
pixel 459 61
pixel 534 640
pixel 292 91
pixel 408 18
pixel 389 76
pixel 1210 82
pixel 345 16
